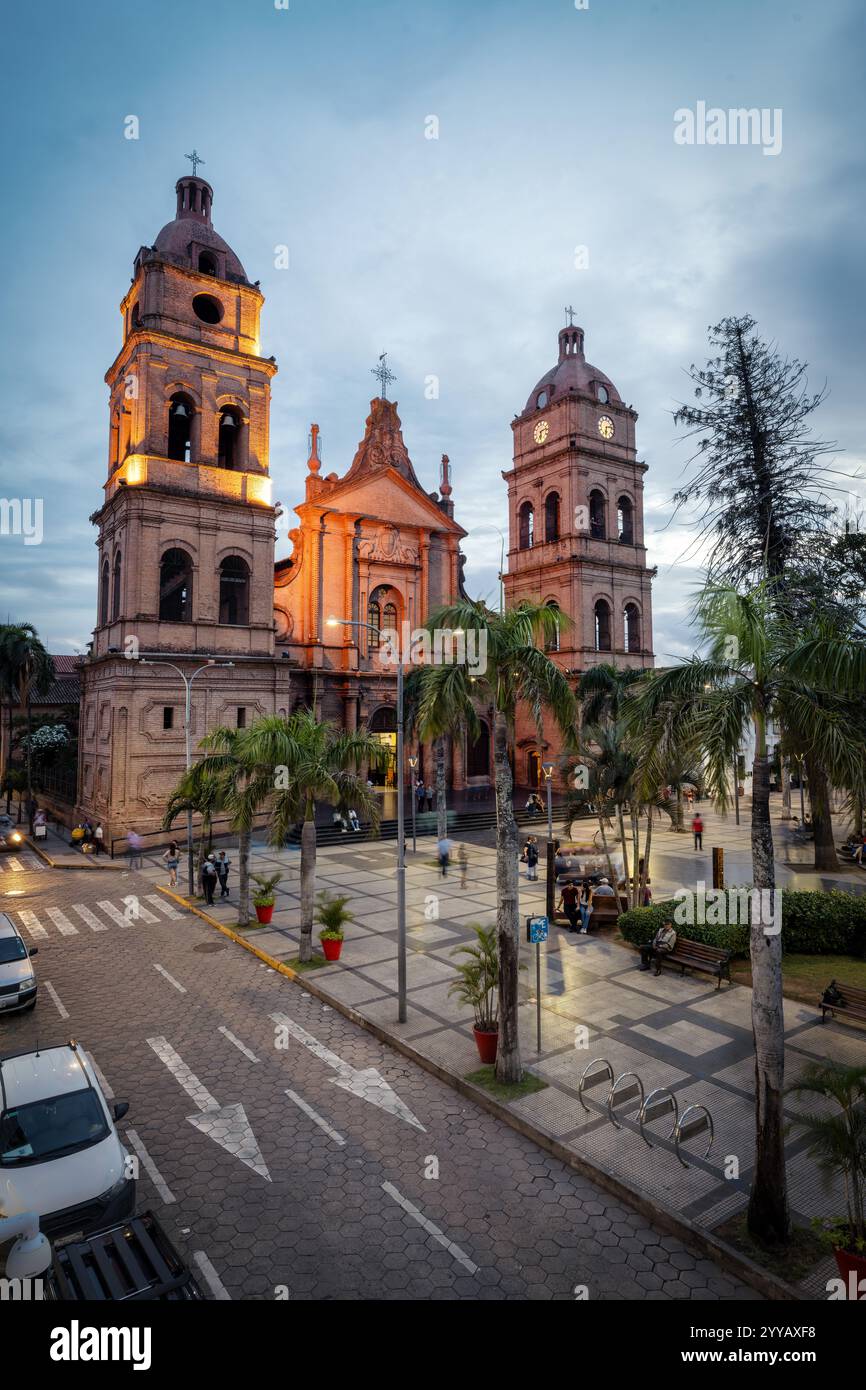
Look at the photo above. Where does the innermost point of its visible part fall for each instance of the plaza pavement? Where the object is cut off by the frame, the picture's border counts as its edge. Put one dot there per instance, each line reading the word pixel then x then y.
pixel 673 1032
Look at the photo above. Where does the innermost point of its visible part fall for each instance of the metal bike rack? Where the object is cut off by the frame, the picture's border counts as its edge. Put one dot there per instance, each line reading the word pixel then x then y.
pixel 636 1089
pixel 585 1085
pixel 656 1103
pixel 685 1128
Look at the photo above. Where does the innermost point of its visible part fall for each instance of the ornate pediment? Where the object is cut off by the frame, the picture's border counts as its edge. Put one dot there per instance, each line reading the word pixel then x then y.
pixel 387 546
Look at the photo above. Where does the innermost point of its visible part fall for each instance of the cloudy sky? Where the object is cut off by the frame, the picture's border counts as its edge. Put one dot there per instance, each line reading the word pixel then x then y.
pixel 456 254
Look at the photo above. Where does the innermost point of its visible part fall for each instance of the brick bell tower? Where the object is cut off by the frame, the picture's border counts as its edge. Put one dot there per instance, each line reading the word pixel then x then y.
pixel 186 528
pixel 576 537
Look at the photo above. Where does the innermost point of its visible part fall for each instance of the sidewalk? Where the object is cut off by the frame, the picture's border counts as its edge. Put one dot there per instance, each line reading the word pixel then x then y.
pixel 673 1032
pixel 57 853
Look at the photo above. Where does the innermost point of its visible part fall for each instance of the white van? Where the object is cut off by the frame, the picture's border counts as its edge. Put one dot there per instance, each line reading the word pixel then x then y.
pixel 60 1153
pixel 17 980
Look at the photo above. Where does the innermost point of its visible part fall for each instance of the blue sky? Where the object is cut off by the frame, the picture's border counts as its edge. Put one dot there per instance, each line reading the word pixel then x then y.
pixel 456 255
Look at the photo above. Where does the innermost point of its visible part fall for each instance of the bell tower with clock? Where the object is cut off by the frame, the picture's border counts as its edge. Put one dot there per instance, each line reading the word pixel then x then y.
pixel 576 537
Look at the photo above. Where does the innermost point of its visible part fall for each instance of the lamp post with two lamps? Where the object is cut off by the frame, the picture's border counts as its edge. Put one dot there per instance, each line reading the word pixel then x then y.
pixel 413 763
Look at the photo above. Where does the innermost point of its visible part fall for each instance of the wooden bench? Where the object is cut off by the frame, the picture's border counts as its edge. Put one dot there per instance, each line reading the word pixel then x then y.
pixel 606 911
pixel 712 960
pixel 853 1003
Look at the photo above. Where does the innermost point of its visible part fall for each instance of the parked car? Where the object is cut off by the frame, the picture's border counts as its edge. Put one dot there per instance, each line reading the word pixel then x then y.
pixel 11 841
pixel 60 1153
pixel 17 980
pixel 133 1261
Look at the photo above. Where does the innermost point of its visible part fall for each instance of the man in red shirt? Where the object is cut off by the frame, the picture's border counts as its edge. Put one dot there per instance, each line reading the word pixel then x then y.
pixel 698 831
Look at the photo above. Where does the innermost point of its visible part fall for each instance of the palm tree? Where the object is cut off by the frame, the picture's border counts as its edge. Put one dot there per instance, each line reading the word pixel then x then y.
pixel 299 761
pixel 25 666
pixel 707 704
pixel 202 793
pixel 517 672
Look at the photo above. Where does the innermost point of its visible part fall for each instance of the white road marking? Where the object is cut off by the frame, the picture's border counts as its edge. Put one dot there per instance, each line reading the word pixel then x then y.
pixel 150 1167
pixel 429 1227
pixel 31 924
pixel 88 917
pixel 238 1044
pixel 46 984
pixel 114 913
pixel 316 1118
pixel 13 865
pixel 142 914
pixel 31 862
pixel 227 1125
pixel 364 1082
pixel 107 1091
pixel 165 907
pixel 61 921
pixel 215 1284
pixel 170 978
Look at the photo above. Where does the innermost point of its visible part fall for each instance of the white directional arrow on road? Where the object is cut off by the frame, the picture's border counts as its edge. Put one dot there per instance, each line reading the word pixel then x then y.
pixel 227 1125
pixel 365 1082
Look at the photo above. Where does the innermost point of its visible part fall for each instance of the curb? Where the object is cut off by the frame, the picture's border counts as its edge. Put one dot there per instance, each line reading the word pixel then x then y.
pixel 52 863
pixel 696 1237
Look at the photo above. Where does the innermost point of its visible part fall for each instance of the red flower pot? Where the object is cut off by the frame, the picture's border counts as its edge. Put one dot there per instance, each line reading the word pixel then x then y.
pixel 850 1265
pixel 265 914
pixel 486 1044
pixel 332 948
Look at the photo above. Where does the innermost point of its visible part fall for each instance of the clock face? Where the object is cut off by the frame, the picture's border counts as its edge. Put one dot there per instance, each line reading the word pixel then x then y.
pixel 605 427
pixel 541 431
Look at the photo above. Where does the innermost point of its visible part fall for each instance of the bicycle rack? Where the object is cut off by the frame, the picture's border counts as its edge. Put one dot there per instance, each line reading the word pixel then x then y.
pixel 585 1085
pixel 684 1130
pixel 635 1089
pixel 656 1103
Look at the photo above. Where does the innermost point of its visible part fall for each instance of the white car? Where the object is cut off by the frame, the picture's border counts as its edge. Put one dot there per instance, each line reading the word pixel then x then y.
pixel 17 980
pixel 60 1153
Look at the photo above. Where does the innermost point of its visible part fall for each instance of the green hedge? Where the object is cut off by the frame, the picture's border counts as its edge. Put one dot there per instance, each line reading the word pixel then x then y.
pixel 813 923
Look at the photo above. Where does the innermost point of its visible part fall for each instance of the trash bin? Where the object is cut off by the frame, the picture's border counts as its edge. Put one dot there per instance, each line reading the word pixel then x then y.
pixel 40 832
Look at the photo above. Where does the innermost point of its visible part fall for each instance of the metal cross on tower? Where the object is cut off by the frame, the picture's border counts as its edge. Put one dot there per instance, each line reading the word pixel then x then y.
pixel 384 375
pixel 195 159
pixel 570 315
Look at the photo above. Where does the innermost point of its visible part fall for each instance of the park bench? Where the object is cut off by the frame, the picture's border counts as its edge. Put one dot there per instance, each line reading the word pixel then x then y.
pixel 606 911
pixel 712 960
pixel 853 1003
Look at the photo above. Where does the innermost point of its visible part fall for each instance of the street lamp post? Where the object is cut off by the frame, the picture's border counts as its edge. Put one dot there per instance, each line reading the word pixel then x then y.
pixel 187 714
pixel 401 816
pixel 548 770
pixel 413 763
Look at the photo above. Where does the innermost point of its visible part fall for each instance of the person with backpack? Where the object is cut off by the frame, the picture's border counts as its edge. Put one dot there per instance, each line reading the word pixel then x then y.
pixel 698 830
pixel 209 879
pixel 530 858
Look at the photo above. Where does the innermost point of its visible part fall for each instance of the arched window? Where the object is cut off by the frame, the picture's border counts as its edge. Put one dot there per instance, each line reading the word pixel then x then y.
pixel 597 527
pixel 175 587
pixel 631 625
pixel 478 752
pixel 551 516
pixel 103 594
pixel 541 400
pixel 115 597
pixel 603 395
pixel 389 617
pixel 207 263
pixel 135 317
pixel 552 643
pixel 234 591
pixel 625 520
pixel 374 618
pixel 526 526
pixel 229 432
pixel 602 625
pixel 180 413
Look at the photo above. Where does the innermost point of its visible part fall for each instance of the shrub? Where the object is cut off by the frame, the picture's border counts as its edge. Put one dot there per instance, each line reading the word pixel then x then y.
pixel 813 923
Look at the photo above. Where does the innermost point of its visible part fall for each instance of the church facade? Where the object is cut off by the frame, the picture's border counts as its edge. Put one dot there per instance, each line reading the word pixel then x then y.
pixel 198 625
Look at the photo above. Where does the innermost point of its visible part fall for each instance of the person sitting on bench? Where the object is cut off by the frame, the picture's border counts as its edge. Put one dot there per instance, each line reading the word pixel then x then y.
pixel 662 944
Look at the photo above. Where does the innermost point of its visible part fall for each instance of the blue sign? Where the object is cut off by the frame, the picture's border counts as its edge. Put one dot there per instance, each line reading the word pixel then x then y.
pixel 536 930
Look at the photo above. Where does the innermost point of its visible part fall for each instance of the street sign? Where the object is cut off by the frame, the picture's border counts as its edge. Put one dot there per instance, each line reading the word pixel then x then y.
pixel 536 930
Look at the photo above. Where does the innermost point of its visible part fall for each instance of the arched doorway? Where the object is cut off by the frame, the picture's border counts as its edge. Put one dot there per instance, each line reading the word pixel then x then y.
pixel 533 768
pixel 383 728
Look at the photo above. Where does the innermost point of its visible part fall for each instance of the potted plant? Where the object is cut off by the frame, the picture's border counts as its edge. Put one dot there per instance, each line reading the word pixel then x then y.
pixel 477 986
pixel 265 896
pixel 332 915
pixel 837 1141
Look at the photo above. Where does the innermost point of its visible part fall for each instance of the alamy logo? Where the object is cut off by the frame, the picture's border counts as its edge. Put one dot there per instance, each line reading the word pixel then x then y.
pixel 720 907
pixel 21 1290
pixel 444 646
pixel 77 1343
pixel 738 126
pixel 22 516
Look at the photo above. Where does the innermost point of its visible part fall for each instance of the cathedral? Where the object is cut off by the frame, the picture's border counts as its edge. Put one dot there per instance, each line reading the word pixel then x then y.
pixel 198 626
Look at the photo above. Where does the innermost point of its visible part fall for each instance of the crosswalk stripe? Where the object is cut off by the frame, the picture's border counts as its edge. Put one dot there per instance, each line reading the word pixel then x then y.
pixel 14 866
pixel 88 917
pixel 31 862
pixel 114 913
pixel 61 921
pixel 31 924
pixel 164 906
pixel 143 914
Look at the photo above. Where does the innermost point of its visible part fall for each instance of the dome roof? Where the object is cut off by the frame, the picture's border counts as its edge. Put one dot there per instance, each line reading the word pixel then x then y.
pixel 192 223
pixel 571 373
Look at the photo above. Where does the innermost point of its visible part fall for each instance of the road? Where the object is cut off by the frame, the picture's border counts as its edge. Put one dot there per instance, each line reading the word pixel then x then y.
pixel 288 1152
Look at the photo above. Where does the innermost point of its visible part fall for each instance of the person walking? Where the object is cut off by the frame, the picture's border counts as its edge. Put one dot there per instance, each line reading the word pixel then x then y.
pixel 444 848
pixel 209 879
pixel 171 859
pixel 223 864
pixel 463 861
pixel 698 830
pixel 98 838
pixel 530 858
pixel 569 900
pixel 133 842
